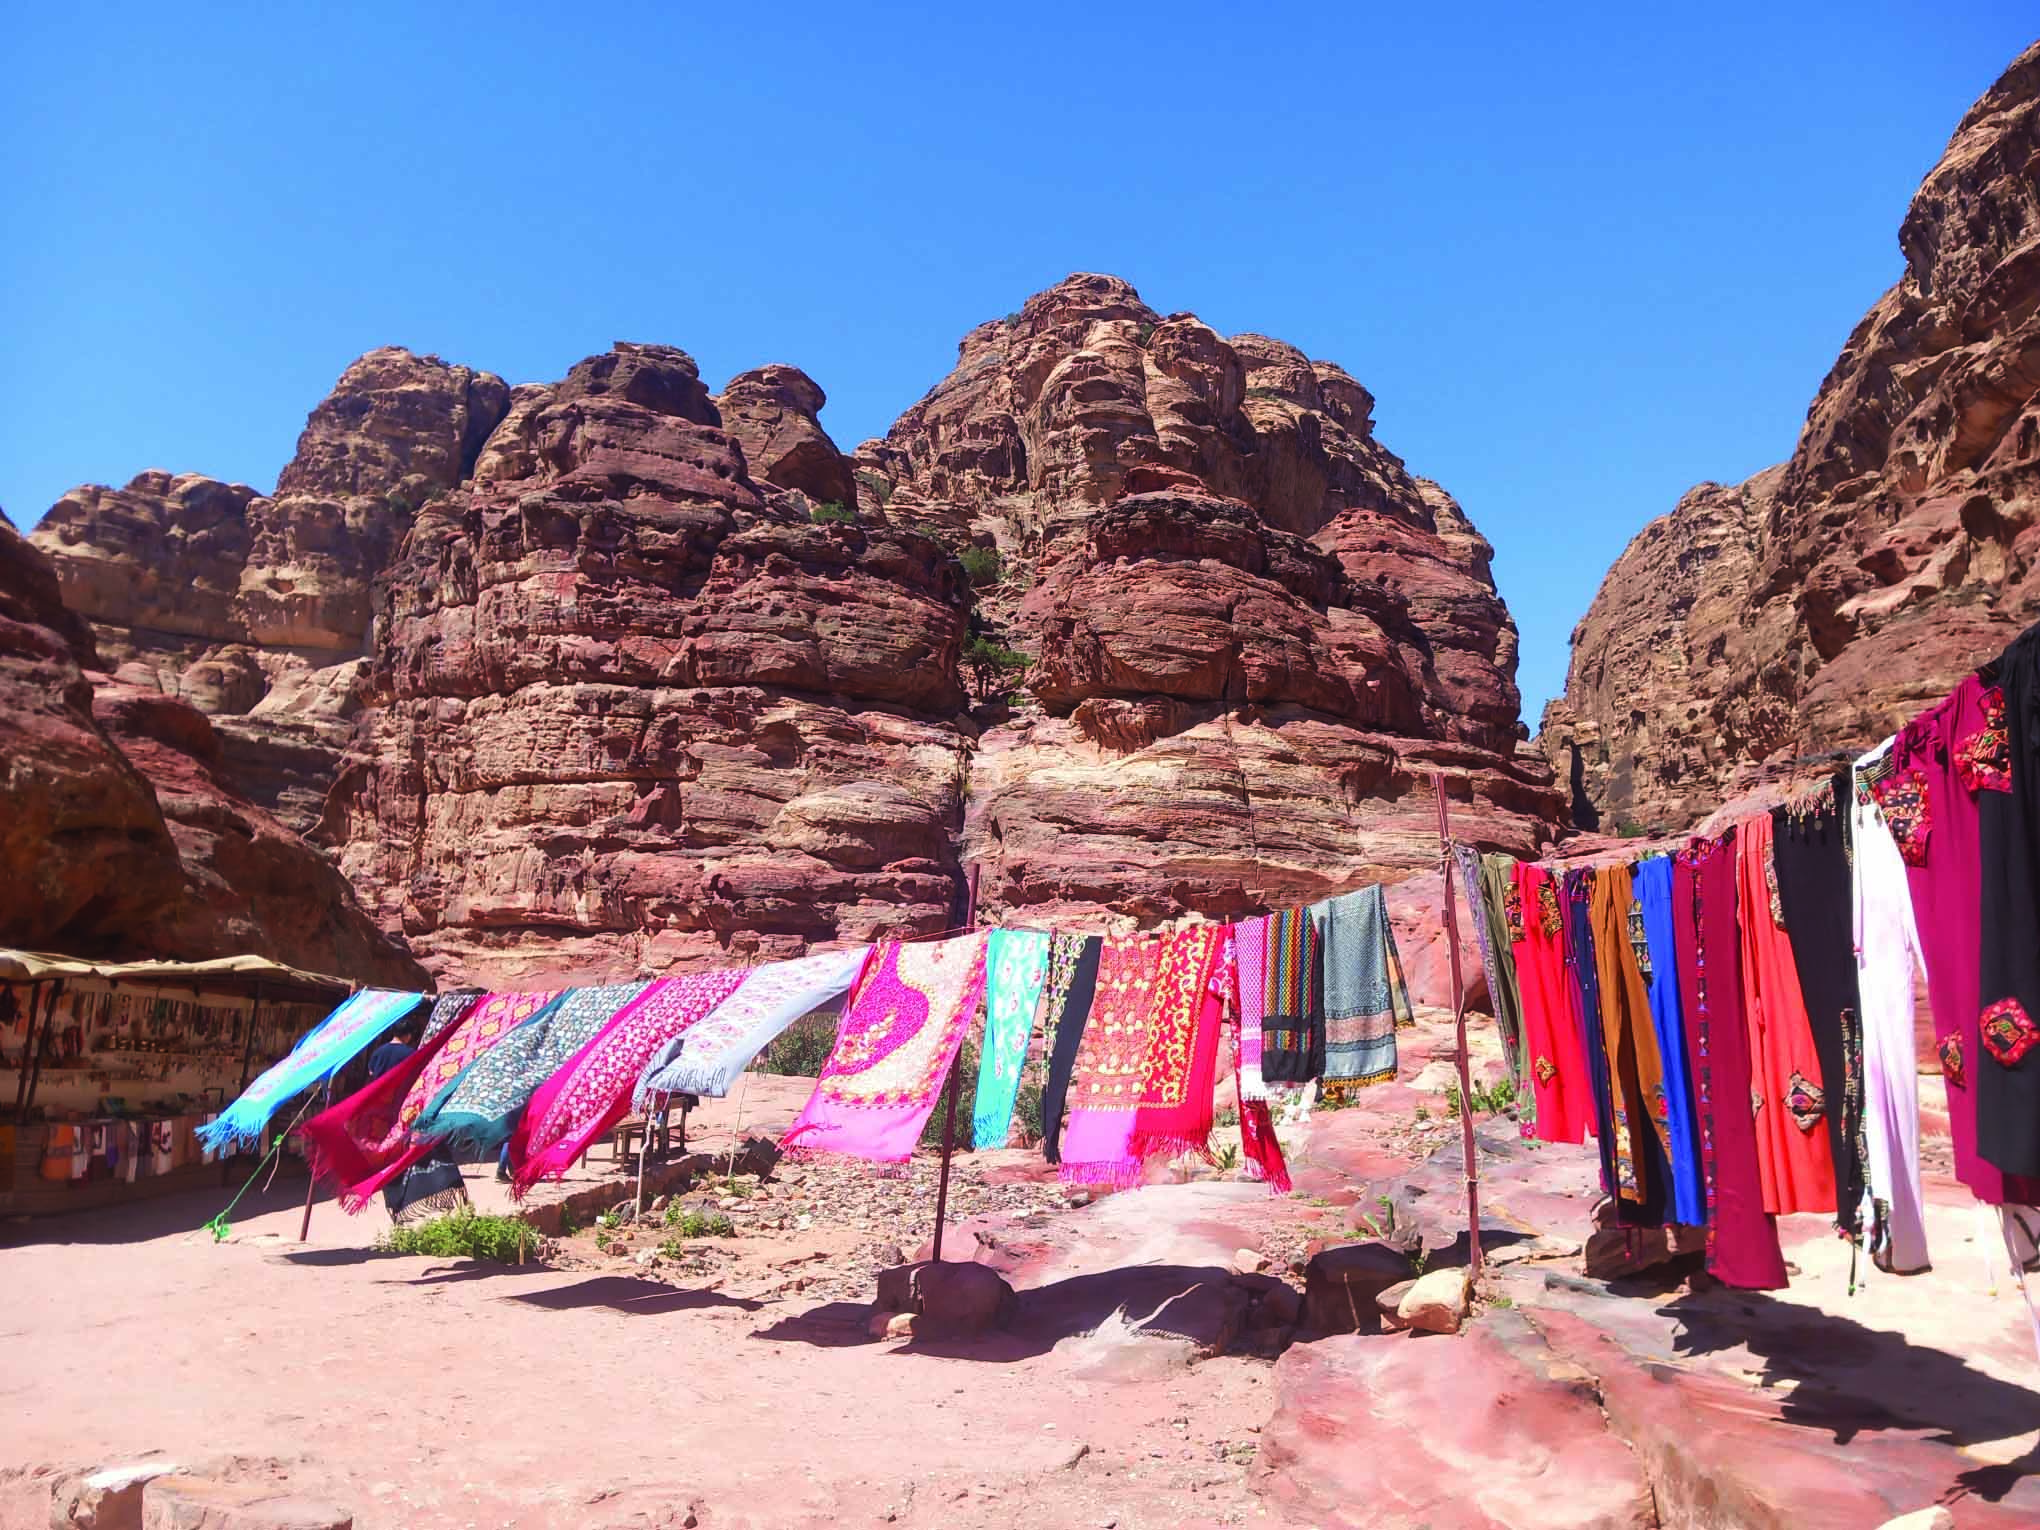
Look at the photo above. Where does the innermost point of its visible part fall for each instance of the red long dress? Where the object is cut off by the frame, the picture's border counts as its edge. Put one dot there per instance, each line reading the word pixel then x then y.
pixel 1555 1054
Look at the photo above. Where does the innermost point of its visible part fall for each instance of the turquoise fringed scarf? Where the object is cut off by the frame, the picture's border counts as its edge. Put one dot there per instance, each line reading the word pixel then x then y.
pixel 478 1110
pixel 1018 966
pixel 328 1047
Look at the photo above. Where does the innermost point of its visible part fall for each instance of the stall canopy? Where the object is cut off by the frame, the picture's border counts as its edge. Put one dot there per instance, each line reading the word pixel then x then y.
pixel 221 974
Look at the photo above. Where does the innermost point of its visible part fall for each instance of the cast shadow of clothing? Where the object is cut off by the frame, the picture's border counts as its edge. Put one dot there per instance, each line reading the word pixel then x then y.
pixel 628 1294
pixel 1850 1379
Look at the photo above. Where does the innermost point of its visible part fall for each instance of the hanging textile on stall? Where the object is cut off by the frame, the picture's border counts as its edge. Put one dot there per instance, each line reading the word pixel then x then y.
pixel 1072 984
pixel 351 1029
pixel 1174 1115
pixel 365 1140
pixel 1293 1022
pixel 1742 1238
pixel 591 1091
pixel 1810 848
pixel 1629 1040
pixel 1788 1095
pixel 1364 996
pixel 1555 1057
pixel 476 1113
pixel 1016 968
pixel 1652 886
pixel 1888 952
pixel 1927 802
pixel 898 1040
pixel 1250 1001
pixel 708 1059
pixel 1583 971
pixel 1111 1063
pixel 2000 763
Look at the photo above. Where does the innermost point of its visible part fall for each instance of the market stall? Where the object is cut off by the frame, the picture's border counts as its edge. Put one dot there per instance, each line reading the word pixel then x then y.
pixel 114 1065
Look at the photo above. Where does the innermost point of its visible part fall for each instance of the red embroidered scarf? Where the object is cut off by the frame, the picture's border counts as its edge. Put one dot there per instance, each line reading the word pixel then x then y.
pixel 1182 1056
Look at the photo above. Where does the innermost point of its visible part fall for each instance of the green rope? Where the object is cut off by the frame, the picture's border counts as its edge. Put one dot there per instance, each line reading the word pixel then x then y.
pixel 219 1227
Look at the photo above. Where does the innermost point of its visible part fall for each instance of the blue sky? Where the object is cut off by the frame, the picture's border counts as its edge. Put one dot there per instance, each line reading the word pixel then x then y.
pixel 1584 257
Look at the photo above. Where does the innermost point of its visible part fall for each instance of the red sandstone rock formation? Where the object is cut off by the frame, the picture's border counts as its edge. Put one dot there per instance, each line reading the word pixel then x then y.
pixel 609 698
pixel 1820 604
pixel 120 838
pixel 624 712
pixel 1254 631
pixel 256 608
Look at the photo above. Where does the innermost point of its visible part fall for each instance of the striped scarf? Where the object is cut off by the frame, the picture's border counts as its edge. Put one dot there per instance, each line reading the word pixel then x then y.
pixel 1364 995
pixel 1293 1025
pixel 1250 1001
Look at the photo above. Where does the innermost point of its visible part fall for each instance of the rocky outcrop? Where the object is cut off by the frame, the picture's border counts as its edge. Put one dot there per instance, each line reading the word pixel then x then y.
pixel 771 413
pixel 1817 606
pixel 256 608
pixel 1254 633
pixel 120 837
pixel 589 677
pixel 625 713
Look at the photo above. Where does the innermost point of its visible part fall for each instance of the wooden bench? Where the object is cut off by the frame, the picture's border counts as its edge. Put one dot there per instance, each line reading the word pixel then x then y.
pixel 624 1140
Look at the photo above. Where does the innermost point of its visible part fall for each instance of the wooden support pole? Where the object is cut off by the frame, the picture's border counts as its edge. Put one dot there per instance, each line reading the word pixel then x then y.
pixel 311 1181
pixel 955 1086
pixel 1459 1029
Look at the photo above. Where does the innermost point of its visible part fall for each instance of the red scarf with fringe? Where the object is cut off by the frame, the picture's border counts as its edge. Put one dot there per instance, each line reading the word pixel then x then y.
pixel 1182 1055
pixel 1111 1068
pixel 365 1141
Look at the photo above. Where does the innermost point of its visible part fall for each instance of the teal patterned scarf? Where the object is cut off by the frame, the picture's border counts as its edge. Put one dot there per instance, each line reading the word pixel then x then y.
pixel 1017 965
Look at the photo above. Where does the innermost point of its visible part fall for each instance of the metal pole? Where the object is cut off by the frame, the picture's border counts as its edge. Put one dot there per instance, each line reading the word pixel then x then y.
pixel 1459 1025
pixel 955 1085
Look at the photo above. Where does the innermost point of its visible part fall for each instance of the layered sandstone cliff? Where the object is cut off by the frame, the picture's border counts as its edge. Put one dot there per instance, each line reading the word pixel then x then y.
pixel 1818 605
pixel 610 674
pixel 1254 633
pixel 121 835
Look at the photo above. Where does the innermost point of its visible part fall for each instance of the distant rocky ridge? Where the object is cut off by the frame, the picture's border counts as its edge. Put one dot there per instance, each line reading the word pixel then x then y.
pixel 1816 606
pixel 612 674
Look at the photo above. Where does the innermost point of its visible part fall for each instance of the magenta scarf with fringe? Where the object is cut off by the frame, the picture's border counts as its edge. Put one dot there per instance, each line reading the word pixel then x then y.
pixel 1182 1061
pixel 898 1040
pixel 591 1093
pixel 1111 1070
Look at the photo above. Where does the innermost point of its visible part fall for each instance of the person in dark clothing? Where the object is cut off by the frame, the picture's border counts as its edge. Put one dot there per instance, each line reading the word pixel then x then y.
pixel 402 1042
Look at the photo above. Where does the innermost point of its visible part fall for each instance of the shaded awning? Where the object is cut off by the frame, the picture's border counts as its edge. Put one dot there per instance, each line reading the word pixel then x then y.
pixel 221 974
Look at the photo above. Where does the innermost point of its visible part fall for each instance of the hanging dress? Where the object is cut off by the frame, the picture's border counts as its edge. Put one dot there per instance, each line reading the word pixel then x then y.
pixel 1810 848
pixel 1652 880
pixel 1635 1072
pixel 1742 1238
pixel 1787 1097
pixel 2000 763
pixel 1555 1055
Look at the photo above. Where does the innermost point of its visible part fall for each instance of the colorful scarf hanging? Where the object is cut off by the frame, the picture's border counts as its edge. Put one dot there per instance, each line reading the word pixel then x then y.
pixel 365 1141
pixel 708 1059
pixel 1364 995
pixel 591 1093
pixel 446 1009
pixel 1258 1143
pixel 1182 1060
pixel 1016 967
pixel 329 1046
pixel 1111 1065
pixel 1250 1002
pixel 1293 1025
pixel 896 1045
pixel 475 1114
pixel 1072 983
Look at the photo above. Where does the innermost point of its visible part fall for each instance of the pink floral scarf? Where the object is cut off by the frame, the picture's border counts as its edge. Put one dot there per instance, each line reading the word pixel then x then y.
pixel 591 1093
pixel 895 1047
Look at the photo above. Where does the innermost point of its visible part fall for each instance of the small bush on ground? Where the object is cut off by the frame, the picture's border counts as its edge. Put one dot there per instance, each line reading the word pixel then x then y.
pixel 993 669
pixel 466 1235
pixel 834 513
pixel 802 1048
pixel 691 1223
